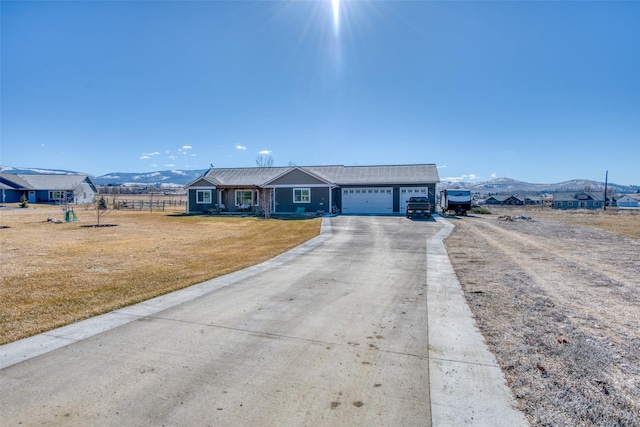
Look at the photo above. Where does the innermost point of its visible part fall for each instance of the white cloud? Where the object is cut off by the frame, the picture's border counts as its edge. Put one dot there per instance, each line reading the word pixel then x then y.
pixel 172 157
pixel 441 166
pixel 267 152
pixel 169 165
pixel 494 175
pixel 187 147
pixel 144 157
pixel 241 147
pixel 155 153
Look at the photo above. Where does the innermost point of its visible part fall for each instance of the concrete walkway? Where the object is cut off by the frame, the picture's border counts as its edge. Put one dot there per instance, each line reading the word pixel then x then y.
pixel 466 384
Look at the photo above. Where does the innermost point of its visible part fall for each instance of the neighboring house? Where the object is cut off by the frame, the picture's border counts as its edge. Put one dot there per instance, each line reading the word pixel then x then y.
pixel 580 200
pixel 47 188
pixel 504 200
pixel 312 189
pixel 627 202
pixel 533 200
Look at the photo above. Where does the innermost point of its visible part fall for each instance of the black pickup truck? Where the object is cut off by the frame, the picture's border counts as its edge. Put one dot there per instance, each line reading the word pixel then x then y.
pixel 418 206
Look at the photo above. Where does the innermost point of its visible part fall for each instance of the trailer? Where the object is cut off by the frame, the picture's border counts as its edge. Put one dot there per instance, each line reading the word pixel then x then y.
pixel 456 201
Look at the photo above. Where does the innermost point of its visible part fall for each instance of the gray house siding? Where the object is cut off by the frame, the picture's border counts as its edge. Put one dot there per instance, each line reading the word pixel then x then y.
pixel 12 196
pixel 319 200
pixel 196 207
pixel 396 199
pixel 297 178
pixel 578 204
pixel 431 191
pixel 336 197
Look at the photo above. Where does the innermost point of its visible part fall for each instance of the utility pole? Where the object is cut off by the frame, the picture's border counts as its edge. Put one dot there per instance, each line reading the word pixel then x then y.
pixel 606 180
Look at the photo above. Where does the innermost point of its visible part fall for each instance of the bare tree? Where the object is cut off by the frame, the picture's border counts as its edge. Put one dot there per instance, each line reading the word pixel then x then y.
pixel 101 208
pixel 264 201
pixel 264 161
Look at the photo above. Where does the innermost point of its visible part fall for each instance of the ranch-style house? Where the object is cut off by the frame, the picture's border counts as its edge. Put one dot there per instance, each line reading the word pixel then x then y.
pixel 47 188
pixel 312 189
pixel 580 200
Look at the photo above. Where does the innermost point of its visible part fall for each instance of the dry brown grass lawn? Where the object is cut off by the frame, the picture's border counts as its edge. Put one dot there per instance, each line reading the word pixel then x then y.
pixel 557 299
pixel 53 274
pixel 625 222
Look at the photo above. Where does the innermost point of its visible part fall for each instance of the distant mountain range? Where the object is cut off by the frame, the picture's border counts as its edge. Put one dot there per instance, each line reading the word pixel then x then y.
pixel 163 179
pixel 512 186
pixel 180 178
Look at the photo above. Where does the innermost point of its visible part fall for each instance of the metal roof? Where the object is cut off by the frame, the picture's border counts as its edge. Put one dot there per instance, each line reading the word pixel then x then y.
pixel 340 175
pixel 14 181
pixel 573 196
pixel 245 176
pixel 46 181
pixel 371 175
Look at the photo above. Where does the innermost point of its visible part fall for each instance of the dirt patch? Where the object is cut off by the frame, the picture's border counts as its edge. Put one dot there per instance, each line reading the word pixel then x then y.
pixel 558 304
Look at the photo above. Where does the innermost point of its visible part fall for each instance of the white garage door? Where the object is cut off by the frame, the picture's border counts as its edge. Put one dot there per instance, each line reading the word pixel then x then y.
pixel 407 192
pixel 367 200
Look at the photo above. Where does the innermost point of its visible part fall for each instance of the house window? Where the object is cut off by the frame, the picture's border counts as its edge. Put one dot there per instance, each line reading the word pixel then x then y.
pixel 301 195
pixel 243 197
pixel 56 195
pixel 203 196
pixel 570 203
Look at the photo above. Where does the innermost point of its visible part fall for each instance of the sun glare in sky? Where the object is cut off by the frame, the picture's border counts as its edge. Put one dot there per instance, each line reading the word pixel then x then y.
pixel 336 14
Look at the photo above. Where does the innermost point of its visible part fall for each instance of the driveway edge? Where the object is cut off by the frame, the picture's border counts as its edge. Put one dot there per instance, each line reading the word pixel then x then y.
pixel 28 348
pixel 467 387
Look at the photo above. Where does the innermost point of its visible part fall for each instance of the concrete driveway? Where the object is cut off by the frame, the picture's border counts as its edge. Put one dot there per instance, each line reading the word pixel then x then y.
pixel 333 336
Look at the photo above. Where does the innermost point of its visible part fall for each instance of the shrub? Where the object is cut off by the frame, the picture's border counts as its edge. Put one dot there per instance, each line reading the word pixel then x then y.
pixel 481 210
pixel 24 203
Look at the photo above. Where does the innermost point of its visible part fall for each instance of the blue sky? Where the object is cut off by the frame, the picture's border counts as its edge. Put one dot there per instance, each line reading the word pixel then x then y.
pixel 536 91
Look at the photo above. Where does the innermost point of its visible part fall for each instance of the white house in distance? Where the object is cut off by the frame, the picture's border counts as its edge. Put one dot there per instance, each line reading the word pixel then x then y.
pixel 627 202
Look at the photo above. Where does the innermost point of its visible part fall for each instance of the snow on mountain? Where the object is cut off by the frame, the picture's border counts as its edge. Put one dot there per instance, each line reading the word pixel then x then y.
pixel 512 186
pixel 180 178
pixel 173 178
pixel 169 178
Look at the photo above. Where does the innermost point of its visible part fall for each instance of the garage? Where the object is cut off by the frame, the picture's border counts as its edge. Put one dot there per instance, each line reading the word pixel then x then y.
pixel 407 192
pixel 367 200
